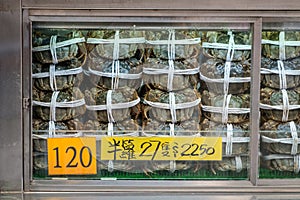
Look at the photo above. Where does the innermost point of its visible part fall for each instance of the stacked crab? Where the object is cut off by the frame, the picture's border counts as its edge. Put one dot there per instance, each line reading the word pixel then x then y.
pixel 225 78
pixel 280 100
pixel 114 69
pixel 170 74
pixel 58 57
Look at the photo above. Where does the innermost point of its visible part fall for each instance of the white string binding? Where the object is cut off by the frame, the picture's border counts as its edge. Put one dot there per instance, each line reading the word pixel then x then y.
pixel 282 45
pixel 109 107
pixel 53 49
pixel 226 102
pixel 52 78
pixel 59 44
pixel 172 106
pixel 282 75
pixel 295 139
pixel 285 105
pixel 114 106
pixel 238 163
pixel 229 137
pixel 176 106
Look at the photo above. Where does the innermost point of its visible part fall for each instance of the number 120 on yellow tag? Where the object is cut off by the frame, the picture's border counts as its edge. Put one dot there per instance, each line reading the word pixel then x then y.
pixel 72 156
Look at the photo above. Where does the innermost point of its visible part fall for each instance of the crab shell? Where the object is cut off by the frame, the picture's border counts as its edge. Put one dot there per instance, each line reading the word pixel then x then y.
pixel 62 82
pixel 216 100
pixel 242 38
pixel 128 66
pixel 213 129
pixel 64 53
pixel 180 81
pixel 40 162
pixel 274 97
pixel 164 115
pixel 126 50
pixel 272 51
pixel 61 114
pixel 119 128
pixel 182 51
pixel 97 96
pixel 283 164
pixel 156 128
pixel 276 130
pixel 214 69
pixel 178 165
pixel 42 127
pixel 229 164
pixel 273 80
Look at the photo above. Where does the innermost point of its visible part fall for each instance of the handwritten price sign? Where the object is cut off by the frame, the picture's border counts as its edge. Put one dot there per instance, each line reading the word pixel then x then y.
pixel 72 156
pixel 161 148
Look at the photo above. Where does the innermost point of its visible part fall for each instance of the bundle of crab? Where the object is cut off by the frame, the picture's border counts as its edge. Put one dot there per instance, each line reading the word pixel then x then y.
pixel 58 57
pixel 235 144
pixel 225 109
pixel 172 107
pixel 112 113
pixel 234 163
pixel 280 145
pixel 171 114
pixel 171 60
pixel 115 58
pixel 225 78
pixel 42 130
pixel 111 106
pixel 55 115
pixel 280 99
pixel 226 67
pixel 154 128
pixel 97 129
pixel 282 162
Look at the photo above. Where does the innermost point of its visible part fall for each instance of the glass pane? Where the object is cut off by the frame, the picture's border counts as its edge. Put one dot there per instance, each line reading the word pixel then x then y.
pixel 280 101
pixel 147 83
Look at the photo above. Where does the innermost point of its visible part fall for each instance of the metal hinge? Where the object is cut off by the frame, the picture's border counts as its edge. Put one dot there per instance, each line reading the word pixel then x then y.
pixel 26 103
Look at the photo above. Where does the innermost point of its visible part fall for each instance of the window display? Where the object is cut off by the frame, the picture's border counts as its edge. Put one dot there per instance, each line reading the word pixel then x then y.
pixel 131 90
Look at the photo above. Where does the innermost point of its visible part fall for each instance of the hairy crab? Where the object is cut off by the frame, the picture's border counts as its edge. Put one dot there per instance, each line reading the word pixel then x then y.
pixel 41 131
pixel 152 127
pixel 182 74
pixel 117 44
pixel 119 128
pixel 276 134
pixel 58 45
pixel 67 74
pixel 281 162
pixel 97 99
pixel 159 105
pixel 236 107
pixel 216 44
pixel 186 44
pixel 280 50
pixel 272 103
pixel 68 104
pixel 111 74
pixel 230 163
pixel 273 71
pixel 235 136
pixel 213 71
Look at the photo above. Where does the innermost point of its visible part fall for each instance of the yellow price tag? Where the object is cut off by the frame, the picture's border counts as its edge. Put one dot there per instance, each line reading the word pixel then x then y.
pixel 72 156
pixel 161 148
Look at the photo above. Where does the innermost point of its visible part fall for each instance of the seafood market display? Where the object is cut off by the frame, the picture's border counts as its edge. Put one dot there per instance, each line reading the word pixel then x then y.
pixel 153 83
pixel 280 100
